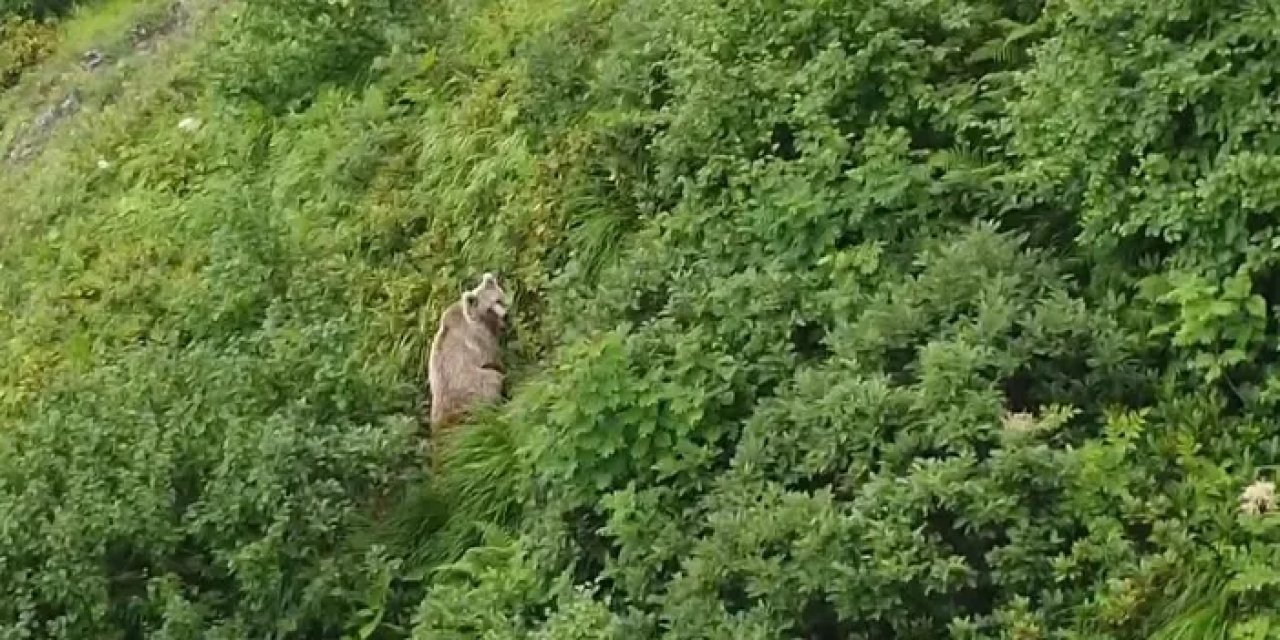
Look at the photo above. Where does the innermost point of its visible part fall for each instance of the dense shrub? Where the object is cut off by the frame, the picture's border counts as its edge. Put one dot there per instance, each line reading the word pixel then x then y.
pixel 23 43
pixel 35 8
pixel 278 53
pixel 833 320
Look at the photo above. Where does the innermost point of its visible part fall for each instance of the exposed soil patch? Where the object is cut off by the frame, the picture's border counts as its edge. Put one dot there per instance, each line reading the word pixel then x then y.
pixel 31 137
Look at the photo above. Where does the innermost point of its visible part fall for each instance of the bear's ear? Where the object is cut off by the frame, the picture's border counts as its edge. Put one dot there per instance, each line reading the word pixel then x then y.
pixel 469 302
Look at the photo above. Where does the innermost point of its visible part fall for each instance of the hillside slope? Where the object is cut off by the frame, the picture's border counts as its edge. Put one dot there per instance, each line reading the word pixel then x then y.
pixel 833 320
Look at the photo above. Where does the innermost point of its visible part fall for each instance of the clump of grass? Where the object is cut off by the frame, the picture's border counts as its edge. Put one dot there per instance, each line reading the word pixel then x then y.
pixel 1198 612
pixel 105 24
pixel 477 485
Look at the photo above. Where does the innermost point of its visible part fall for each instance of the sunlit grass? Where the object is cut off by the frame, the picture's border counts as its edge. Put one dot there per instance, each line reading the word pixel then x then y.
pixel 105 24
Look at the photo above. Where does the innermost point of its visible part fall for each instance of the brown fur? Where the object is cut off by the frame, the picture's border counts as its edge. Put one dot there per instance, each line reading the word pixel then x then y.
pixel 465 368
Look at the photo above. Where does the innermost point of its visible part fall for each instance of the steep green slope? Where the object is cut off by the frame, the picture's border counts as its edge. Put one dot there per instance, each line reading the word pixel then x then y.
pixel 834 320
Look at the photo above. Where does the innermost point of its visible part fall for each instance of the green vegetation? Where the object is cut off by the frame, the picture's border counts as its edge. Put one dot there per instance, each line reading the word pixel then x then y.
pixel 23 44
pixel 38 9
pixel 28 34
pixel 923 319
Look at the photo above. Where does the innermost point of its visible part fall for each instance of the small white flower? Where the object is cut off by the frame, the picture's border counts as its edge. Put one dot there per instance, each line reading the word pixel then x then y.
pixel 1258 498
pixel 1019 423
pixel 189 124
pixel 103 164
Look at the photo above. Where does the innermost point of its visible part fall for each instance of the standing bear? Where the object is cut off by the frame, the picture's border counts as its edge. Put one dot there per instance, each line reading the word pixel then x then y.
pixel 465 368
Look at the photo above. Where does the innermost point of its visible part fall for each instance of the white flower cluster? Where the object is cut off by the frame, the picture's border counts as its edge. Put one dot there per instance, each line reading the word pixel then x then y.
pixel 1258 498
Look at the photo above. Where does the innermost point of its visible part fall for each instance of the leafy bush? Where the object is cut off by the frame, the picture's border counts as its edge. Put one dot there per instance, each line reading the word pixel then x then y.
pixel 833 320
pixel 23 44
pixel 278 52
pixel 35 8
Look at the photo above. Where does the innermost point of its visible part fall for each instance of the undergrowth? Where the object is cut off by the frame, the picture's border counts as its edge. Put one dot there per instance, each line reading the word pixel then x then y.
pixel 832 320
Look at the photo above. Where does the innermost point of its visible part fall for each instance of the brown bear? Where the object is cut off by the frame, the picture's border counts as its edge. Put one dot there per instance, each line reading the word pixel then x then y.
pixel 465 368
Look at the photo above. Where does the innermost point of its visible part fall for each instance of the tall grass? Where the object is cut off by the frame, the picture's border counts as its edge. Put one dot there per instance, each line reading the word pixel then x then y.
pixel 477 484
